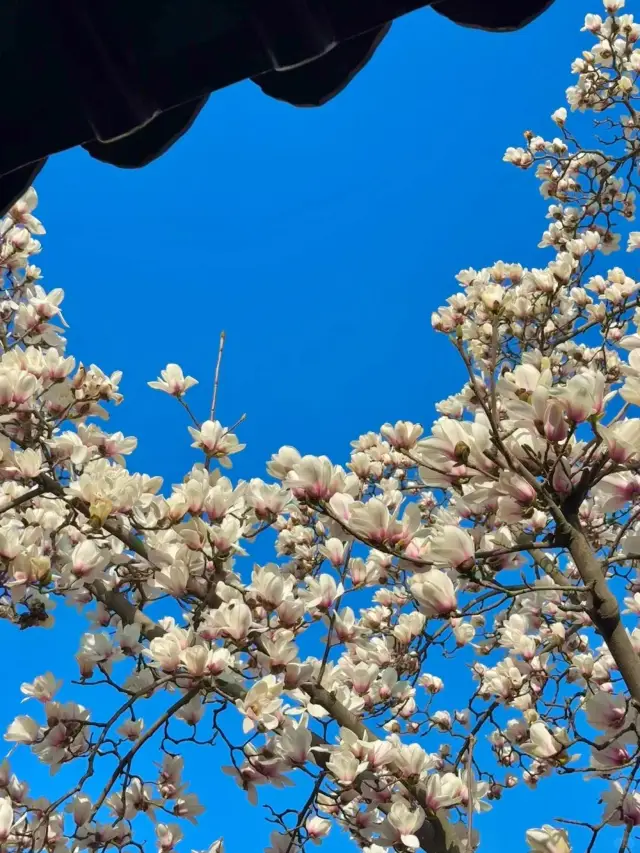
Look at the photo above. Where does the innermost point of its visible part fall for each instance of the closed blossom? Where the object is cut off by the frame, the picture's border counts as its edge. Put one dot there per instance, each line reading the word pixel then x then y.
pixel 434 590
pixel 317 828
pixel 453 547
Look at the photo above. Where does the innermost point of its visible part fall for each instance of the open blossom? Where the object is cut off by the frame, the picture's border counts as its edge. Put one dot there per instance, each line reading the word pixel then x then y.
pixel 43 688
pixel 441 720
pixel 621 807
pixel 344 767
pixel 165 652
pixel 519 157
pixel 231 619
pixel 543 744
pixel 131 729
pixel 270 585
pixel 87 561
pixel 403 436
pixel 345 625
pixel 374 522
pixel 617 490
pixel 381 753
pixel 606 711
pixel 403 822
pixel 173 381
pixel 582 396
pixel 188 806
pixel 322 591
pixel 514 635
pixel 21 213
pixel 608 754
pixel 28 463
pixel 315 478
pixel 168 835
pixel 278 650
pixel 622 439
pixel 633 241
pixel 6 818
pixel 548 839
pixel 295 742
pixel 464 632
pixel 23 730
pixel 453 447
pixel 267 500
pixel 411 760
pixel 431 683
pixel 261 704
pixel 362 676
pixel 216 441
pixel 442 791
pixel 282 462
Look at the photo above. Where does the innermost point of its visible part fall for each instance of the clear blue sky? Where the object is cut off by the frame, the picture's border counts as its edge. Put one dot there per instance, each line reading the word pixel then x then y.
pixel 321 241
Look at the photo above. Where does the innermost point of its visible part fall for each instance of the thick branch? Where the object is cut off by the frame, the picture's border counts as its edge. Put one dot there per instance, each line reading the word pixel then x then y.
pixel 128 612
pixel 604 610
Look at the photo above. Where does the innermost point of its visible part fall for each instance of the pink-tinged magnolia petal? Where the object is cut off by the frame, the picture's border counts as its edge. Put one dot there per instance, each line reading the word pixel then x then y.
pixel 6 818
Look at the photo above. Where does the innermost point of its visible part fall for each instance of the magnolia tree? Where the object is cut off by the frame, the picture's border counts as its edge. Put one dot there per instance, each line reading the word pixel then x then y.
pixel 506 537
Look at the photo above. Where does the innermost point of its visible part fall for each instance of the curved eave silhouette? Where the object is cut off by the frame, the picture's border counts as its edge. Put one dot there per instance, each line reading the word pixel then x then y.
pixel 126 78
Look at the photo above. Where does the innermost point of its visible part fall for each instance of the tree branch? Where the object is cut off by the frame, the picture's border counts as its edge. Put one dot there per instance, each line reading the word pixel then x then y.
pixel 604 610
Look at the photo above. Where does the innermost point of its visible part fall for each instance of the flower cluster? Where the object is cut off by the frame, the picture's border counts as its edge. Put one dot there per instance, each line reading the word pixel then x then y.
pixel 507 533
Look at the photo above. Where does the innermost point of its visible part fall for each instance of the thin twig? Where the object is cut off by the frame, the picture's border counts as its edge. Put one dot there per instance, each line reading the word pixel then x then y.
pixel 216 378
pixel 128 758
pixel 472 741
pixel 625 840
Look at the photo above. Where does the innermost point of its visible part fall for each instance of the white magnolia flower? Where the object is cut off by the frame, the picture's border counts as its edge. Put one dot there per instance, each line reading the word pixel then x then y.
pixel 23 730
pixel 548 839
pixel 262 704
pixel 43 688
pixel 541 743
pixel 216 442
pixel 173 381
pixel 406 822
pixel 434 590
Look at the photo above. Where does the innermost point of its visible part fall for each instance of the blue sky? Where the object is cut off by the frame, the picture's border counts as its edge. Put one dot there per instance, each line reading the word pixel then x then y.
pixel 321 241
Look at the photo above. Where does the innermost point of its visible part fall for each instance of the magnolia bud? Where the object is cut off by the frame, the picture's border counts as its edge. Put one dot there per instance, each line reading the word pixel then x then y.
pixel 78 379
pixel 555 426
pixel 41 568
